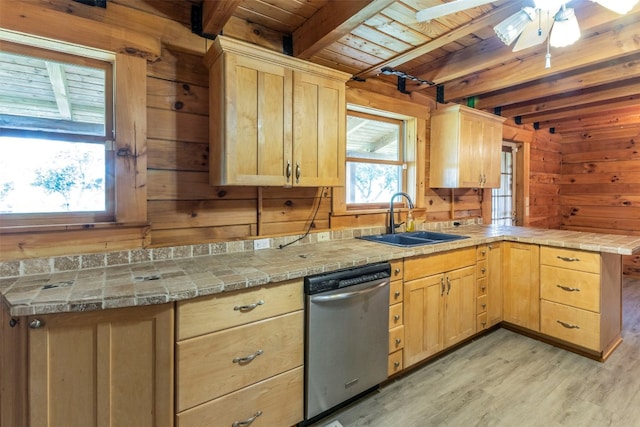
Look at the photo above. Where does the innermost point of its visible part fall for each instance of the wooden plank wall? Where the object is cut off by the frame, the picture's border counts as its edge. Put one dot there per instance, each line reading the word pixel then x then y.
pixel 600 184
pixel 544 178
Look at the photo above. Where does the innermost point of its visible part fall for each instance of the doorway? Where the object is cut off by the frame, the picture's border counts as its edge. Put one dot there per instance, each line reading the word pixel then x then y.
pixel 504 199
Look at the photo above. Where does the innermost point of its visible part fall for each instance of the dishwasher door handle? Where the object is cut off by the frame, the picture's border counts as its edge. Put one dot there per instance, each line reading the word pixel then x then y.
pixel 347 295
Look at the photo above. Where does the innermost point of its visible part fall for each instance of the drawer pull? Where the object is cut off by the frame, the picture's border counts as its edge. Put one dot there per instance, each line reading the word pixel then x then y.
pixel 396 317
pixel 396 365
pixel 396 294
pixel 396 271
pixel 483 288
pixel 568 259
pixel 568 325
pixel 484 306
pixel 398 341
pixel 483 270
pixel 568 289
pixel 247 421
pixel 249 307
pixel 247 359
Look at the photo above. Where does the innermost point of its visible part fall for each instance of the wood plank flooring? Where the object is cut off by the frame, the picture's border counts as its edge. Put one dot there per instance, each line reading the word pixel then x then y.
pixel 505 379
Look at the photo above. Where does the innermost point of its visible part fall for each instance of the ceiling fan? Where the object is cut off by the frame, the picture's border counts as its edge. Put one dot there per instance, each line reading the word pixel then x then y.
pixel 532 24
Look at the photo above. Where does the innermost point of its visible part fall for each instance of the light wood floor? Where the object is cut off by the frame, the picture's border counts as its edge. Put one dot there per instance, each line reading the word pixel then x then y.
pixel 505 379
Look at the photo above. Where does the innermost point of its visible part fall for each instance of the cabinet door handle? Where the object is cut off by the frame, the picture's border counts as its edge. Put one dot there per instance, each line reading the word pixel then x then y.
pixel 35 323
pixel 448 285
pixel 567 259
pixel 568 289
pixel 568 325
pixel 247 359
pixel 298 172
pixel 288 171
pixel 248 307
pixel 441 286
pixel 247 421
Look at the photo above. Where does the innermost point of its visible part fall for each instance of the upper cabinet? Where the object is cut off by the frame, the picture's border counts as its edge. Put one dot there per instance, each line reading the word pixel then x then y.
pixel 274 120
pixel 465 148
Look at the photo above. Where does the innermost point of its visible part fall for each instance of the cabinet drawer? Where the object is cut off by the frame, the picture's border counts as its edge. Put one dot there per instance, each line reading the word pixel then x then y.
pixel 482 286
pixel 265 398
pixel 205 367
pixel 481 269
pixel 570 258
pixel 395 315
pixel 396 338
pixel 220 311
pixel 481 305
pixel 482 322
pixel 575 288
pixel 395 362
pixel 395 291
pixel 397 269
pixel 580 327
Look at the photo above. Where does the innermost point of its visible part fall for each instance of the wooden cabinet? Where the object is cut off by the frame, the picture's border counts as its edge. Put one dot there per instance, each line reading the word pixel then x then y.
pixel 111 367
pixel 239 355
pixel 396 318
pixel 439 302
pixel 465 148
pixel 489 285
pixel 581 298
pixel 274 120
pixel 521 285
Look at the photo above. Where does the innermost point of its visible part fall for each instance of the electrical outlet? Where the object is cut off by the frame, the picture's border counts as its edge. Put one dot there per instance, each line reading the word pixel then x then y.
pixel 325 236
pixel 261 244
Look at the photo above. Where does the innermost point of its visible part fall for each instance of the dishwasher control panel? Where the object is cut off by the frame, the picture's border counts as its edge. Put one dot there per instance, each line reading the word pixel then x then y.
pixel 343 278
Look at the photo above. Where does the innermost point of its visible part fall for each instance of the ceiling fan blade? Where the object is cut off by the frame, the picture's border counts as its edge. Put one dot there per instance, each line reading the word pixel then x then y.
pixel 536 31
pixel 448 8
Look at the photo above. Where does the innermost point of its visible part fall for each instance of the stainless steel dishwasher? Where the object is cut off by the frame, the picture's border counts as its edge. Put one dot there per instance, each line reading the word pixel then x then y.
pixel 347 335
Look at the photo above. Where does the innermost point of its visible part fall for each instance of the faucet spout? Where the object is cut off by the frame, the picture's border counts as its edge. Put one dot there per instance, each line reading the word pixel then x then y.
pixel 392 225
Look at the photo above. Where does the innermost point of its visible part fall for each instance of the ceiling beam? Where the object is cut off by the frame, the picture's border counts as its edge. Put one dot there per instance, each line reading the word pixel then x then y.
pixel 596 75
pixel 615 43
pixel 332 22
pixel 216 13
pixel 573 112
pixel 574 99
pixel 496 15
pixel 616 118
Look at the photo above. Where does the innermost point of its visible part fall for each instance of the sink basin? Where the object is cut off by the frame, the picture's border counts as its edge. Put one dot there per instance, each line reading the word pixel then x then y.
pixel 413 238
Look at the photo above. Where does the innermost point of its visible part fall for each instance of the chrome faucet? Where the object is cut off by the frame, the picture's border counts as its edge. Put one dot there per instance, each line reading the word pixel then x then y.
pixel 392 225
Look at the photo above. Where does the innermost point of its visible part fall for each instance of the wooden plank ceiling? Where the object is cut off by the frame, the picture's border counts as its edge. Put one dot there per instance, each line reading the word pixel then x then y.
pixel 592 84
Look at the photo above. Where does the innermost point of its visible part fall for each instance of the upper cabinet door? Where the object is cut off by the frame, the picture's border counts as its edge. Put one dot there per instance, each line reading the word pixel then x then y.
pixel 318 131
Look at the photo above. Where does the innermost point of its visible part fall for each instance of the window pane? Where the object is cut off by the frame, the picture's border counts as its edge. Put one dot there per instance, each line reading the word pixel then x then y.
pixel 57 176
pixel 372 139
pixel 372 183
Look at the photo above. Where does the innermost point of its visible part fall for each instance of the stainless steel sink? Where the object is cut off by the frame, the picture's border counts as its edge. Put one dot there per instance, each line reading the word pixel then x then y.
pixel 413 238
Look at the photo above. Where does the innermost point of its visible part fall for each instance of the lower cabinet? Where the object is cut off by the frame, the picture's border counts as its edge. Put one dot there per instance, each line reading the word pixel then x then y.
pixel 489 285
pixel 440 308
pixel 521 285
pixel 111 367
pixel 239 357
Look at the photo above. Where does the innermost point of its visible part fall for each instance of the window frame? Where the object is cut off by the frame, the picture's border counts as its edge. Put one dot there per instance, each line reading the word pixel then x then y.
pixel 128 120
pixel 54 218
pixel 400 161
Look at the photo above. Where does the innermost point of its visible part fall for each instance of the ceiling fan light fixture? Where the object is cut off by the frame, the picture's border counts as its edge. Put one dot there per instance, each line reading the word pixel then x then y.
pixel 618 6
pixel 566 30
pixel 509 29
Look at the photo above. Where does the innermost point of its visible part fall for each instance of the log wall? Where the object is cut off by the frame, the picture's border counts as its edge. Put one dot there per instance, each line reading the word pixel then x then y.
pixel 600 184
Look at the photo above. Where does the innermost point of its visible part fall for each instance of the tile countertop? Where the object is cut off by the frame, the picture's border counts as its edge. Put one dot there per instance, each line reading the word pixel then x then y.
pixel 179 279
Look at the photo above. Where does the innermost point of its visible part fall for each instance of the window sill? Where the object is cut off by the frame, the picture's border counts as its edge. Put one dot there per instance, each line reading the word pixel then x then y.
pixel 70 227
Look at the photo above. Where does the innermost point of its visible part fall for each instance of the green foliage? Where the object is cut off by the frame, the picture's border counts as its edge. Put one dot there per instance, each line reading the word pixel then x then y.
pixel 372 180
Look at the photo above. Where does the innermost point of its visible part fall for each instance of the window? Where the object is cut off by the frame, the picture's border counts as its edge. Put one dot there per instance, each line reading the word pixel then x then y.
pixel 376 167
pixel 503 209
pixel 56 130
